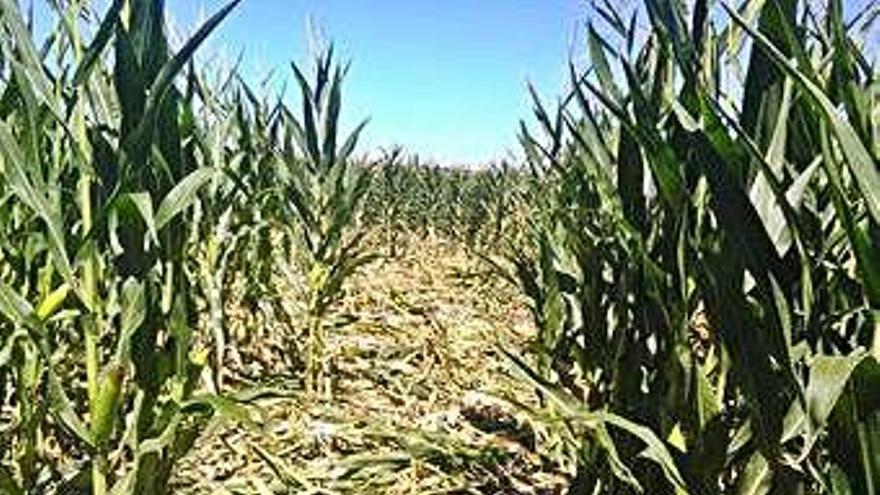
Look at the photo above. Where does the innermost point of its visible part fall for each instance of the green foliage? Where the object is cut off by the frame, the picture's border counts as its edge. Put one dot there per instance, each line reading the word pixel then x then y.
pixel 98 180
pixel 321 195
pixel 700 252
pixel 707 269
pixel 477 207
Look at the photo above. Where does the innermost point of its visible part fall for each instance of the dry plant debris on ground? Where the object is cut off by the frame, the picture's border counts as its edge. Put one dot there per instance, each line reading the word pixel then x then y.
pixel 418 404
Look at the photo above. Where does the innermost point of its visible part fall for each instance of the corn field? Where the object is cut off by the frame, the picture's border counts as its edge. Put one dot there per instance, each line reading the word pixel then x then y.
pixel 206 287
pixel 474 207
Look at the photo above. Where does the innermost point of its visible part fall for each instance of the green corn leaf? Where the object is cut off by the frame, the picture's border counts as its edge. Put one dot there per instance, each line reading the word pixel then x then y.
pixel 750 9
pixel 550 126
pixel 129 84
pixel 350 143
pixel 62 407
pixel 655 450
pixel 600 63
pixel 15 308
pixel 866 257
pixel 756 478
pixel 157 444
pixel 31 62
pixel 598 164
pixel 736 212
pixel 99 43
pixel 166 76
pixel 8 484
pixel 134 313
pixel 783 312
pixel 829 376
pixel 331 118
pixel 854 429
pixel 15 170
pixel 862 166
pixel 310 126
pixel 838 481
pixel 662 160
pixel 620 470
pixel 667 19
pixel 9 344
pixel 182 196
pixel 144 205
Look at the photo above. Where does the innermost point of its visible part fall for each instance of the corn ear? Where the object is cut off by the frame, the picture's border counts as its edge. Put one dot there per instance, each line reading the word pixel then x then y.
pixel 107 404
pixel 49 306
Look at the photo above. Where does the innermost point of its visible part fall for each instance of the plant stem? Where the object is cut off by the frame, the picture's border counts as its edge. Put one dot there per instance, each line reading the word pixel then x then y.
pixel 91 337
pixel 99 479
pixel 313 353
pixel 875 347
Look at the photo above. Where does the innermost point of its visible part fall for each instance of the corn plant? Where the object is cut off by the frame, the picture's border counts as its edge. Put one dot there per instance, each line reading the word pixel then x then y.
pixel 490 206
pixel 98 174
pixel 321 193
pixel 704 274
pixel 387 199
pixel 234 213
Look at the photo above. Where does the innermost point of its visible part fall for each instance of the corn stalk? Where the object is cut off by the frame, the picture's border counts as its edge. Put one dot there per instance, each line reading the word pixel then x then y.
pixel 321 193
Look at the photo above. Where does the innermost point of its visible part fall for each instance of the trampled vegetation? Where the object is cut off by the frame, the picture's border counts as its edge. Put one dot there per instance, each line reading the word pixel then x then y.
pixel 206 289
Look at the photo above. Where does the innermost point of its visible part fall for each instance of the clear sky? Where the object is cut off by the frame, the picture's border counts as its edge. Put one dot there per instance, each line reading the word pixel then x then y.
pixel 446 79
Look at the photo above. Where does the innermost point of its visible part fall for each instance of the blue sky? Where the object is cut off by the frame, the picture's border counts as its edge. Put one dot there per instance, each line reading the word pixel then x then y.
pixel 446 79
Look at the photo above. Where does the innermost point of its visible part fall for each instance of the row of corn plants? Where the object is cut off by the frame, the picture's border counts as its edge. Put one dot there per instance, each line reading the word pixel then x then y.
pixel 474 207
pixel 100 168
pixel 704 262
pixel 140 198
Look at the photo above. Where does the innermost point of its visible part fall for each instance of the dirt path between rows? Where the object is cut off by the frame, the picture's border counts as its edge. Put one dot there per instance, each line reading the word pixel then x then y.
pixel 416 407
